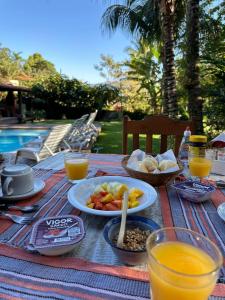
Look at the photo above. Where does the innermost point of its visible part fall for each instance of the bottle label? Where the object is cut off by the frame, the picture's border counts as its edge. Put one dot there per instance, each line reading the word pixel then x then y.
pixel 197 150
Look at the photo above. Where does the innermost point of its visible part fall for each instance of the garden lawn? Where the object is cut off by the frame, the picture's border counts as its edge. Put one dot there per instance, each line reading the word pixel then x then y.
pixel 110 138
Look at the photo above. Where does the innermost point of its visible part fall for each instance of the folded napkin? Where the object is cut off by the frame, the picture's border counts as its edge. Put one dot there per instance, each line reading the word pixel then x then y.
pixel 137 161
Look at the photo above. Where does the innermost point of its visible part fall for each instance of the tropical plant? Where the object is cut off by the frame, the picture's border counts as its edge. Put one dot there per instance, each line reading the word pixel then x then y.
pixel 144 68
pixel 153 20
pixel 36 65
pixel 58 95
pixel 213 66
pixel 11 63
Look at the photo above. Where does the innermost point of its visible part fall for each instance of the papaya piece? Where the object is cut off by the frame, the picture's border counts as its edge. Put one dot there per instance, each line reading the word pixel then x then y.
pixel 110 206
pixel 117 203
pixel 99 206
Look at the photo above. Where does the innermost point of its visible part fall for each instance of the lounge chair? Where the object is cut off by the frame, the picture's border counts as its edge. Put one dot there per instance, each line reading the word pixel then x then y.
pixel 83 133
pixel 49 147
pixel 84 138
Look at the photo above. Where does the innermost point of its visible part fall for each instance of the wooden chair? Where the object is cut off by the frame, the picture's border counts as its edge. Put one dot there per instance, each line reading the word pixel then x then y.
pixel 154 124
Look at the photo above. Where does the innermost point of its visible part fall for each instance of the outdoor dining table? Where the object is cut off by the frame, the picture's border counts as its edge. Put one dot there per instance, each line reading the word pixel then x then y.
pixel 91 270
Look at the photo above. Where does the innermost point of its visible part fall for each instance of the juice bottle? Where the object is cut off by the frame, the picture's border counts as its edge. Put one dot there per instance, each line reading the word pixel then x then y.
pixel 197 144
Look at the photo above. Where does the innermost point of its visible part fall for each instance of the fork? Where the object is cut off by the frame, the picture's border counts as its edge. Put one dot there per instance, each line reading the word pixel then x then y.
pixel 17 219
pixel 27 208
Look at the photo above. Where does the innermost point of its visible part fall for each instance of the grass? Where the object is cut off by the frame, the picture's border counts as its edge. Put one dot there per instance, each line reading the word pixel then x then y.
pixel 110 138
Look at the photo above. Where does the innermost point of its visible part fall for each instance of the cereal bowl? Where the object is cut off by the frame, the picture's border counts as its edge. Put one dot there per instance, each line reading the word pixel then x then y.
pixel 128 256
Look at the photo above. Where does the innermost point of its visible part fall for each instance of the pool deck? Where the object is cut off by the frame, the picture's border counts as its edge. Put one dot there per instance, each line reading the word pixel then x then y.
pixel 25 126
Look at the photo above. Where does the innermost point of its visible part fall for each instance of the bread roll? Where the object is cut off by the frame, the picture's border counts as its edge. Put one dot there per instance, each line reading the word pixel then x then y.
pixel 166 164
pixel 142 167
pixel 150 163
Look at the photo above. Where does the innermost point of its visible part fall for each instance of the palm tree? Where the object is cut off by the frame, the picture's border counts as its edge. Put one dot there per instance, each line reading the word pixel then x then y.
pixel 152 20
pixel 192 58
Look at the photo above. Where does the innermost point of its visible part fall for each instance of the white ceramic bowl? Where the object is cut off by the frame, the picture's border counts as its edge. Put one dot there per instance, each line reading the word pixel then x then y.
pixel 79 194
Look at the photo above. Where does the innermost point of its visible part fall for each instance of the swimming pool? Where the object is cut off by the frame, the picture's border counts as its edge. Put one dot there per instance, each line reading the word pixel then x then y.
pixel 13 139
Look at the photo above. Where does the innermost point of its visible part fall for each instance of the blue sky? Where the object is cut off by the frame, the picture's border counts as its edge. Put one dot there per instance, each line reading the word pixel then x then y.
pixel 66 32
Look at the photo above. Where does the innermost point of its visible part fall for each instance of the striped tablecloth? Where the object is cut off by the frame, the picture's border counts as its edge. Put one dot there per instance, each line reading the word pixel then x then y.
pixel 92 271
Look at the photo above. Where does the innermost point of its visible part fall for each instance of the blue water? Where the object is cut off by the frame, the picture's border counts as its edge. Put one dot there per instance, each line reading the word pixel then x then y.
pixel 13 139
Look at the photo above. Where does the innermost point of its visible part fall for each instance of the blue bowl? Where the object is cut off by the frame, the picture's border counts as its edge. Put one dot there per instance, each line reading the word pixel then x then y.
pixel 194 191
pixel 128 257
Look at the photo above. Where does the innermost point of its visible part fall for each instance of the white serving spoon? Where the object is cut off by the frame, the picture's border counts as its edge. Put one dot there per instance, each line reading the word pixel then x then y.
pixel 123 220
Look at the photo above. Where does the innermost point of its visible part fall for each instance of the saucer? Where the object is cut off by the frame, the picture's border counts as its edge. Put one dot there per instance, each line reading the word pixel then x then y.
pixel 221 211
pixel 38 186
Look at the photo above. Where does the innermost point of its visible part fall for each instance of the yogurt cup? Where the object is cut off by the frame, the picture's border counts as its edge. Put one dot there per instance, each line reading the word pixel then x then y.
pixel 56 235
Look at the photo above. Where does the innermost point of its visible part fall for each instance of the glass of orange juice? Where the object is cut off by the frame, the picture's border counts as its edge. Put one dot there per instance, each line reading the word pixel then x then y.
pixel 183 265
pixel 76 166
pixel 200 165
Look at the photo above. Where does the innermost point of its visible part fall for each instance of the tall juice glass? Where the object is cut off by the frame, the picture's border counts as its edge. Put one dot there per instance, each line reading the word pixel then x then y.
pixel 200 165
pixel 183 265
pixel 76 166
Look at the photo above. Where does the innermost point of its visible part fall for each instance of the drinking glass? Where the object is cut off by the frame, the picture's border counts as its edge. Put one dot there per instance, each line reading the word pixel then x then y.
pixel 200 165
pixel 76 166
pixel 183 265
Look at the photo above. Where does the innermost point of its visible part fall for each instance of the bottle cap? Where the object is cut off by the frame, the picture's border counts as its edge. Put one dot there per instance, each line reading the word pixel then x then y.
pixel 198 138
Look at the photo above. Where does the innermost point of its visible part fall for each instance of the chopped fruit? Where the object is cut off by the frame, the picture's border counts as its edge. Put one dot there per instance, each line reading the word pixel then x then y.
pixel 109 196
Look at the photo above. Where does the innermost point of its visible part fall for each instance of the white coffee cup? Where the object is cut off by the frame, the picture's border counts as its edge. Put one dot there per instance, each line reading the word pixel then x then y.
pixel 17 180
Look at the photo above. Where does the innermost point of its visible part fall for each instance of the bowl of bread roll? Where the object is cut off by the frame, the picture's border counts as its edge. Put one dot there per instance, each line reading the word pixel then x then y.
pixel 155 170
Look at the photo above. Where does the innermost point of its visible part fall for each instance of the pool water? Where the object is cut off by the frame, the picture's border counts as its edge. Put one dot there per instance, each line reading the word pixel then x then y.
pixel 13 139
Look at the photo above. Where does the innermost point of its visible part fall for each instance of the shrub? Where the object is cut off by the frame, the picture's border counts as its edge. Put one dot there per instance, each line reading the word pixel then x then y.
pixel 60 96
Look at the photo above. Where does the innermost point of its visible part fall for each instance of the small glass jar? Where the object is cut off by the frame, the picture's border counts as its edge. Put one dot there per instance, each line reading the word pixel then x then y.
pixel 197 144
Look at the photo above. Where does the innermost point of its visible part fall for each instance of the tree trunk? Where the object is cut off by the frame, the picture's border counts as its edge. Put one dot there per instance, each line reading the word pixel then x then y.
pixel 192 61
pixel 170 95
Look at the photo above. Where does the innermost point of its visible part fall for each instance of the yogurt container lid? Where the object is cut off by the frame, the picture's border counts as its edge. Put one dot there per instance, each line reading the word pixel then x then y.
pixel 60 231
pixel 194 187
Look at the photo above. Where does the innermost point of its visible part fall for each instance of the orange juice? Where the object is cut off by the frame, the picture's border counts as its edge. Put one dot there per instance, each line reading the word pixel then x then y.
pixel 200 166
pixel 188 282
pixel 76 168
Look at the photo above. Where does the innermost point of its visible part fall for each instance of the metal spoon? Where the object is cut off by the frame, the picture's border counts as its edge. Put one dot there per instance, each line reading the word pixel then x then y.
pixel 123 221
pixel 27 208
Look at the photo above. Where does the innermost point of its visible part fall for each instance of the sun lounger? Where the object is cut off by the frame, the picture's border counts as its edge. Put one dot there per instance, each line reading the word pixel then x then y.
pixel 49 147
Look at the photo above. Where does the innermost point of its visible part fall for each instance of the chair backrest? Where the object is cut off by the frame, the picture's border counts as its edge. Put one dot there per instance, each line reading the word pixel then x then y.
pixel 53 140
pixel 155 124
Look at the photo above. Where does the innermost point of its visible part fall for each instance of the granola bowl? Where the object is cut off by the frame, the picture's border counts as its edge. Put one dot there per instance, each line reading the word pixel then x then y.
pixel 137 230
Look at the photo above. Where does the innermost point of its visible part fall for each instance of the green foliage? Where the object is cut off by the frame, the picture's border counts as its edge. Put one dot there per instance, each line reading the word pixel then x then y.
pixel 36 65
pixel 59 96
pixel 109 69
pixel 11 63
pixel 13 66
pixel 144 67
